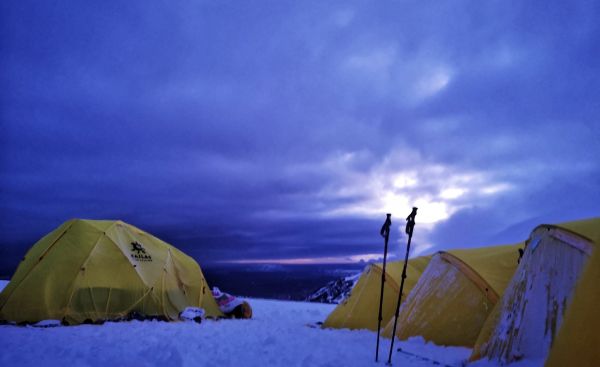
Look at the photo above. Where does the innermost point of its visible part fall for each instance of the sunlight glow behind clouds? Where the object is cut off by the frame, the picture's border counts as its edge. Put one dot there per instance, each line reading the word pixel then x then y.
pixel 395 187
pixel 452 193
pixel 403 180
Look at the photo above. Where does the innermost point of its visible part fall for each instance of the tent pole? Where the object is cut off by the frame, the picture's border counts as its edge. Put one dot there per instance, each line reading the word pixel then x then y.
pixel 410 225
pixel 385 233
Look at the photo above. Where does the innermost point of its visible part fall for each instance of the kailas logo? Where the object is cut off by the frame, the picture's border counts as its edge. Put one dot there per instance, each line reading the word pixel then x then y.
pixel 137 247
pixel 138 252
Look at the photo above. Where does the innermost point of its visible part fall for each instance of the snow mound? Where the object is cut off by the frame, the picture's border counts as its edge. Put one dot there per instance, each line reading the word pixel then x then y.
pixel 192 314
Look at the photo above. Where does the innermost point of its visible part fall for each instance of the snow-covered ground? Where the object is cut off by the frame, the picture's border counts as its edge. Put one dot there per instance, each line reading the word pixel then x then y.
pixel 278 335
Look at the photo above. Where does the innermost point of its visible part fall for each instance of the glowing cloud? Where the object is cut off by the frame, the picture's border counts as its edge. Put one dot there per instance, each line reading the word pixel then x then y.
pixel 452 193
pixel 437 190
pixel 403 180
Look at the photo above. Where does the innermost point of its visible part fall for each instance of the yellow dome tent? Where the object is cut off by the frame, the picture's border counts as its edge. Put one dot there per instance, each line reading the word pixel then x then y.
pixel 525 322
pixel 360 309
pixel 455 295
pixel 89 270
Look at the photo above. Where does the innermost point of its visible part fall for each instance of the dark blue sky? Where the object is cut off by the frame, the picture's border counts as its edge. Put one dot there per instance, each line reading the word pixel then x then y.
pixel 285 129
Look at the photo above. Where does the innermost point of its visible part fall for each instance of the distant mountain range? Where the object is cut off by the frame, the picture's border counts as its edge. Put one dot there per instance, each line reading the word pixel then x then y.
pixel 278 281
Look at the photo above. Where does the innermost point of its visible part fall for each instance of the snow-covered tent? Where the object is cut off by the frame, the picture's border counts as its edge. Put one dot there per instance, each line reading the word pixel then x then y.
pixel 455 295
pixel 525 322
pixel 578 340
pixel 98 270
pixel 360 309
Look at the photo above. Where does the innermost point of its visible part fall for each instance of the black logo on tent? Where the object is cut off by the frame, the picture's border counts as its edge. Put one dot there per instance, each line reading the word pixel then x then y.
pixel 138 252
pixel 137 247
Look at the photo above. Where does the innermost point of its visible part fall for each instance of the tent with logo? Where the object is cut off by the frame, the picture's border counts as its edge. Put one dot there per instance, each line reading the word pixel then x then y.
pixel 360 309
pixel 455 294
pixel 91 270
pixel 526 321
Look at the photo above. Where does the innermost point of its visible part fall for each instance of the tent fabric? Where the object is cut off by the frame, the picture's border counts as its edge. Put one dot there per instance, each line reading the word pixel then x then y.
pixel 525 322
pixel 485 334
pixel 360 309
pixel 578 340
pixel 442 307
pixel 89 270
pixel 453 298
pixel 495 264
pixel 587 228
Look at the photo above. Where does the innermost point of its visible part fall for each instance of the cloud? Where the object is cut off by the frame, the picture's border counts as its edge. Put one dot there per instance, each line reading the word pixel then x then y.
pixel 288 130
pixel 403 179
pixel 343 18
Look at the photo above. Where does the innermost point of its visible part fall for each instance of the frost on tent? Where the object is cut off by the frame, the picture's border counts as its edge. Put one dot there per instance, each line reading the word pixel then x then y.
pixel 529 315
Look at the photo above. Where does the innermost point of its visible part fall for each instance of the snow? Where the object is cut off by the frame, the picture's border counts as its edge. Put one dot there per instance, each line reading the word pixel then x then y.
pixel 48 323
pixel 191 314
pixel 281 333
pixel 522 363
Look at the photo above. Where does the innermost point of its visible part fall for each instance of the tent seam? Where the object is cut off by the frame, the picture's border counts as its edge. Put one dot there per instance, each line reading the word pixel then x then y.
pixel 150 287
pixel 388 278
pixel 352 309
pixel 562 229
pixel 102 233
pixel 489 291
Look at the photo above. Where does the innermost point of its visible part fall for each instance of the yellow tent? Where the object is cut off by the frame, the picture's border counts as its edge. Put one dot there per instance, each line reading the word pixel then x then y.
pixel 526 320
pixel 98 270
pixel 455 295
pixel 578 340
pixel 360 309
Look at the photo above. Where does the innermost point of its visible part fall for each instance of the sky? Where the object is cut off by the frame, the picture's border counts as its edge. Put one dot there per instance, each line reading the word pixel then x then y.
pixel 283 131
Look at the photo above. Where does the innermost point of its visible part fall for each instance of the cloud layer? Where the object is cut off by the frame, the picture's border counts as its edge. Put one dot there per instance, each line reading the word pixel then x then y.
pixel 279 130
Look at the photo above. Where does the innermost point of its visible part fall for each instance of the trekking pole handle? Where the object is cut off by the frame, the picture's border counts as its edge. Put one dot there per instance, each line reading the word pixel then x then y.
pixel 385 228
pixel 410 221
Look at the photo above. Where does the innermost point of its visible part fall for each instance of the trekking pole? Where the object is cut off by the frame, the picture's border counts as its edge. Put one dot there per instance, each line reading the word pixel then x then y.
pixel 410 225
pixel 385 233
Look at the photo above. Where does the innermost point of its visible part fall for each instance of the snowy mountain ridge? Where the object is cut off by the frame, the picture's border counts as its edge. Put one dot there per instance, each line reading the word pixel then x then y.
pixel 335 291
